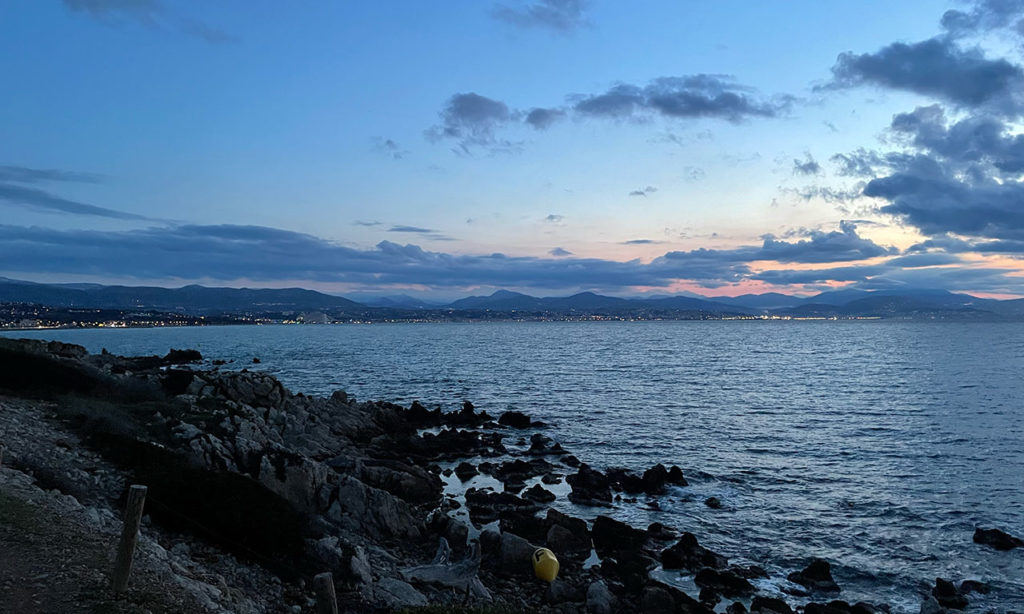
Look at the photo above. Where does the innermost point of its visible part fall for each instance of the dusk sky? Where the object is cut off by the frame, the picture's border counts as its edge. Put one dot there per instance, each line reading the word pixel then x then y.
pixel 545 146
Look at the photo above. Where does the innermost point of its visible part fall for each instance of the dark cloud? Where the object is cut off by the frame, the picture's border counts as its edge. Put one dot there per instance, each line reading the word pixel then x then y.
pixel 366 223
pixel 40 200
pixel 806 167
pixel 644 192
pixel 472 120
pixel 554 218
pixel 21 174
pixel 641 242
pixel 936 67
pixel 972 144
pixel 389 148
pixel 893 275
pixel 150 13
pixel 983 15
pixel 559 15
pixel 688 97
pixel 541 119
pixel 413 229
pixel 559 252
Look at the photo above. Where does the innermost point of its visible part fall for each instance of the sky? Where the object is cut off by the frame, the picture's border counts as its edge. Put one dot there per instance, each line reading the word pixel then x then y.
pixel 545 146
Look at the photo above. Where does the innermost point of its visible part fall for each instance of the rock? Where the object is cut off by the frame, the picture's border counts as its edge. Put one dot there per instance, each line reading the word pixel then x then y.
pixel 396 594
pixel 599 599
pixel 624 480
pixel 180 357
pixel 994 538
pixel 769 605
pixel 515 554
pixel 631 569
pixel 443 572
pixel 359 567
pixel 411 483
pixel 514 419
pixel 713 502
pixel 675 477
pixel 561 591
pixel 736 608
pixel 709 597
pixel 486 506
pixel 256 360
pixel 946 593
pixel 688 554
pixel 656 600
pixel 490 542
pixel 539 494
pixel 974 586
pixel 817 577
pixel 931 606
pixel 611 536
pixel 723 582
pixel 563 542
pixel 654 479
pixel 525 523
pixel 660 532
pixel 589 487
pixel 465 471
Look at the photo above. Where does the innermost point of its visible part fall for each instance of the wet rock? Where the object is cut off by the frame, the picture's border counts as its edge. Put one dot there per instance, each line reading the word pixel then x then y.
pixel 539 494
pixel 660 532
pixel 514 419
pixel 749 571
pixel 181 357
pixel 612 537
pixel 599 599
pixel 688 554
pixel 589 487
pixel 256 360
pixel 724 582
pixel 465 471
pixel 946 593
pixel 551 479
pixel 709 597
pixel 769 605
pixel 453 444
pixel 624 480
pixel 654 479
pixel 817 577
pixel 736 608
pixel 974 586
pixel 486 506
pixel 931 606
pixel 631 569
pixel 514 554
pixel 675 476
pixel 519 470
pixel 571 461
pixel 995 538
pixel 657 600
pixel 713 502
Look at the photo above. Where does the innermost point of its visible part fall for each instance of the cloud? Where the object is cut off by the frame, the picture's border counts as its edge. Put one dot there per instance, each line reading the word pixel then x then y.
pixel 413 229
pixel 982 15
pixel 644 192
pixel 935 67
pixel 641 242
pixel 40 200
pixel 21 174
pixel 806 167
pixel 150 13
pixel 389 148
pixel 558 15
pixel 687 97
pixel 366 223
pixel 542 119
pixel 472 120
pixel 559 252
pixel 554 218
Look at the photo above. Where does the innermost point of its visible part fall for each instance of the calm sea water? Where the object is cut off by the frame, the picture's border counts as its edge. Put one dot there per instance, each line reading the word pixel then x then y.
pixel 876 445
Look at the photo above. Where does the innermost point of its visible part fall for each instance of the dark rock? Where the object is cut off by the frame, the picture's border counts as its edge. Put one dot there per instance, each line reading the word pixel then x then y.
pixel 176 381
pixel 599 599
pixel 931 606
pixel 490 542
pixel 524 522
pixel 974 586
pixel 486 506
pixel 817 577
pixel 688 554
pixel 713 502
pixel 409 482
pixel 256 361
pixel 465 471
pixel 180 357
pixel 515 554
pixel 561 591
pixel 723 582
pixel 657 600
pixel 675 477
pixel 749 572
pixel 550 479
pixel 563 542
pixel 624 480
pixel 514 486
pixel 576 526
pixel 995 538
pixel 539 494
pixel 630 569
pixel 709 597
pixel 736 608
pixel 571 461
pixel 660 532
pixel 769 605
pixel 589 487
pixel 654 479
pixel 612 537
pixel 946 593
pixel 514 419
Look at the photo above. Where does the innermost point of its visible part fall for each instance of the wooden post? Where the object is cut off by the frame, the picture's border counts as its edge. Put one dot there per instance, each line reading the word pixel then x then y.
pixel 326 600
pixel 129 535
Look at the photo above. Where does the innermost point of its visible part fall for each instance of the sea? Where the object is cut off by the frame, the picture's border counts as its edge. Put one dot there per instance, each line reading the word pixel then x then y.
pixel 877 445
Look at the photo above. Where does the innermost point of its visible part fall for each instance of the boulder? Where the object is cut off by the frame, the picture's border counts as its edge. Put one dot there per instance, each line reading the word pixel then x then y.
pixel 974 586
pixel 995 538
pixel 817 576
pixel 589 487
pixel 654 479
pixel 769 605
pixel 599 599
pixel 931 606
pixel 736 608
pixel 561 591
pixel 514 419
pixel 688 554
pixel 563 542
pixel 515 555
pixel 724 582
pixel 946 593
pixel 465 471
pixel 713 502
pixel 181 357
pixel 395 594
pixel 539 494
pixel 409 482
pixel 487 506
pixel 675 476
pixel 656 600
pixel 612 537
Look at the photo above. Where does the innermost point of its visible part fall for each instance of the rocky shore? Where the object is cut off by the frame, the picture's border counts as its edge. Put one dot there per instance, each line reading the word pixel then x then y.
pixel 254 489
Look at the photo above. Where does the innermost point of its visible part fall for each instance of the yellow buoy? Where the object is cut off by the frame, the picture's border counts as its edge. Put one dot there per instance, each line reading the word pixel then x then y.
pixel 545 565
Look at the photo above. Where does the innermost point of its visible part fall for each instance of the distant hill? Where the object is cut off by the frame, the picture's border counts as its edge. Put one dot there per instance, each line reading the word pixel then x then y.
pixel 189 299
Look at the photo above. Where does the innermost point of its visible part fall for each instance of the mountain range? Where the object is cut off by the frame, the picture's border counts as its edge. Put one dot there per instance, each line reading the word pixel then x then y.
pixel 200 300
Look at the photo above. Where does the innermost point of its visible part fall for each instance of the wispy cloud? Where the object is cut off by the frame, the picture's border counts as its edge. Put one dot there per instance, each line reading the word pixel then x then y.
pixel 558 15
pixel 150 13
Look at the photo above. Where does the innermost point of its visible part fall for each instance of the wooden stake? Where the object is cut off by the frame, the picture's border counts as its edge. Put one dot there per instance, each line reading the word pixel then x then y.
pixel 326 600
pixel 129 537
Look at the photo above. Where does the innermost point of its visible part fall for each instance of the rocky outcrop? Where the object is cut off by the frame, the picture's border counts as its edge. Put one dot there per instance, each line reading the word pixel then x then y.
pixel 817 576
pixel 688 554
pixel 995 538
pixel 589 487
